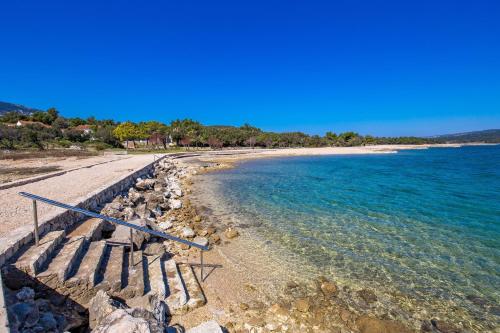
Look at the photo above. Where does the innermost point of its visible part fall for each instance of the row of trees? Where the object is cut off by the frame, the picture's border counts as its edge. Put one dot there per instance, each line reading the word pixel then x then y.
pixel 191 133
pixel 186 132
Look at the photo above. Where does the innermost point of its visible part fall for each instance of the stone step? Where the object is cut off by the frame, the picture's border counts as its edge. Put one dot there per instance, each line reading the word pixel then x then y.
pixel 66 260
pixel 196 298
pixel 157 277
pixel 36 256
pixel 135 284
pixel 112 269
pixel 90 229
pixel 88 270
pixel 177 295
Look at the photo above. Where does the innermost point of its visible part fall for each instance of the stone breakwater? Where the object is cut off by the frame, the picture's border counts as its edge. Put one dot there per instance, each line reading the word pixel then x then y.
pixel 159 203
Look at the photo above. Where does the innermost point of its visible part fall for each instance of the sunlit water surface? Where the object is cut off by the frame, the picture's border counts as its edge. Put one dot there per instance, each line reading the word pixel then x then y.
pixel 420 223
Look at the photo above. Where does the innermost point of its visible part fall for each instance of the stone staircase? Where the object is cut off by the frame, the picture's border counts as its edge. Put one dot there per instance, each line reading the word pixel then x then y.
pixel 81 262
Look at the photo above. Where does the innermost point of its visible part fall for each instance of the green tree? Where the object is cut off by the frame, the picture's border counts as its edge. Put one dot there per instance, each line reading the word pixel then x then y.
pixel 126 131
pixel 331 138
pixel 53 114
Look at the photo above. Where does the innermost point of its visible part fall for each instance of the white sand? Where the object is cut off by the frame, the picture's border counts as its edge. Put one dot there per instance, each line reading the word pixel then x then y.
pixel 242 154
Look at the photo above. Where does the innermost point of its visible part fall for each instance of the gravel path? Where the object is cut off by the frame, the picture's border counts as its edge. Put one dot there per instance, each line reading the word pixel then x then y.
pixel 71 188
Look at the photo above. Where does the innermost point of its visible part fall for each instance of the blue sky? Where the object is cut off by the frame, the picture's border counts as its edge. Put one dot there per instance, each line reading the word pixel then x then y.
pixel 376 67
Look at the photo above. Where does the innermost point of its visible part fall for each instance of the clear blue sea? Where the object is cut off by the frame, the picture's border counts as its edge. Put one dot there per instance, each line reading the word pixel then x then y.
pixel 422 223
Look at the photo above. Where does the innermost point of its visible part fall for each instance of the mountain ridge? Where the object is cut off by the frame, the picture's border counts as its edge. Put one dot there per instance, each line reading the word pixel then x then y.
pixel 489 136
pixel 11 107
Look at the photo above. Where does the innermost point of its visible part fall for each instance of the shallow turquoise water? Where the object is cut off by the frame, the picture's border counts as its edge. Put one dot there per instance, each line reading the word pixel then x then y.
pixel 423 222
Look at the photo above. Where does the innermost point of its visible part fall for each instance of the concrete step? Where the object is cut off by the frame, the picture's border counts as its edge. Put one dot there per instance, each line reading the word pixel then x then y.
pixel 137 278
pixel 196 298
pixel 157 276
pixel 112 269
pixel 66 260
pixel 177 295
pixel 37 256
pixel 90 229
pixel 88 270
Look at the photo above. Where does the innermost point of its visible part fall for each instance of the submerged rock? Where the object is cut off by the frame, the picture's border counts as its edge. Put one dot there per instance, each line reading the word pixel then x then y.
pixel 328 288
pixel 445 327
pixel 373 325
pixel 302 304
pixel 367 295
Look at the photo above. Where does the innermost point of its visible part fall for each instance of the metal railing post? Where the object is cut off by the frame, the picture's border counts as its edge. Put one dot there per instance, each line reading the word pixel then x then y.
pixel 131 248
pixel 201 265
pixel 35 221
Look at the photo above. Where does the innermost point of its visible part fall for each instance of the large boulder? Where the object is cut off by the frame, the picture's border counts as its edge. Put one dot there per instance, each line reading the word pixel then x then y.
pixel 101 306
pixel 143 211
pixel 129 321
pixel 154 197
pixel 113 209
pixel 135 196
pixel 145 184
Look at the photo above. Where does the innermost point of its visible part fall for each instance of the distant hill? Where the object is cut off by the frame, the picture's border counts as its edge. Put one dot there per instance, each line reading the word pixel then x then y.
pixel 490 136
pixel 10 107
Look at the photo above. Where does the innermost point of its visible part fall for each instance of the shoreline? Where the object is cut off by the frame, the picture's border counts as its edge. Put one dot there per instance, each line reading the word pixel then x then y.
pixel 226 158
pixel 246 298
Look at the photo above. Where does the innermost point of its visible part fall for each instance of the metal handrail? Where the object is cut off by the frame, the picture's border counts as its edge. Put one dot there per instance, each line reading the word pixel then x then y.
pixel 36 198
